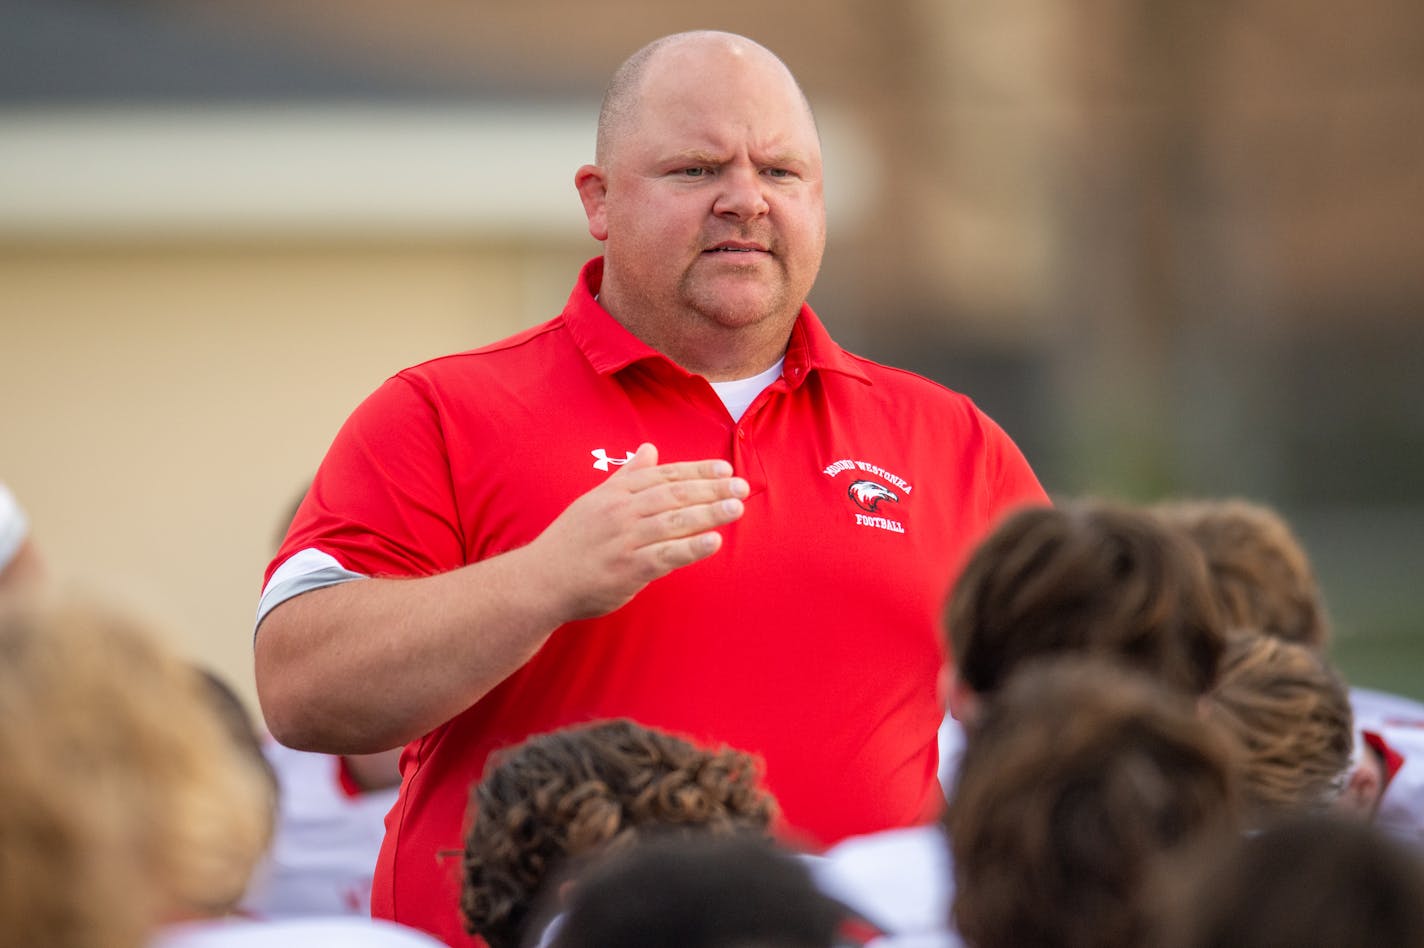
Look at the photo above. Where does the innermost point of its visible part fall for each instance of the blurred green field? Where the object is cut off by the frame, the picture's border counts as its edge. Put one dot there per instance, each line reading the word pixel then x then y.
pixel 1371 568
pixel 1386 662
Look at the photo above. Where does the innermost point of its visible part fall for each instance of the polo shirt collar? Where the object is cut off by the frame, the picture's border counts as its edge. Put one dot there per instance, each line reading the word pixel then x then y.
pixel 609 347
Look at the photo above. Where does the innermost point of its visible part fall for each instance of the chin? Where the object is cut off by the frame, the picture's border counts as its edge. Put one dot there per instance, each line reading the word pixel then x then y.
pixel 740 304
pixel 735 312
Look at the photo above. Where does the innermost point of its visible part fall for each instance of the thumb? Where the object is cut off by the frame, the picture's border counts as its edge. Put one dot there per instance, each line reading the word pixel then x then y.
pixel 645 456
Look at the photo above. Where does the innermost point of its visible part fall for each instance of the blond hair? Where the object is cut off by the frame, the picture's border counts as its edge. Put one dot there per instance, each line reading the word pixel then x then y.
pixel 123 799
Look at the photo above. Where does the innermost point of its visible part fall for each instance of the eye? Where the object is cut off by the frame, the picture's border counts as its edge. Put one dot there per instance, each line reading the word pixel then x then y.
pixel 696 172
pixel 778 172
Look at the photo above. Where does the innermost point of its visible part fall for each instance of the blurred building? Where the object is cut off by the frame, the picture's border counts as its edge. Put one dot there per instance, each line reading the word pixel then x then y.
pixel 1174 248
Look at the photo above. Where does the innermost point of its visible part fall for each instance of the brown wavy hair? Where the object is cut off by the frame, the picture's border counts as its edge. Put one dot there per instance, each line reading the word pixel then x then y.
pixel 1085 578
pixel 1081 786
pixel 560 797
pixel 1290 712
pixel 1261 575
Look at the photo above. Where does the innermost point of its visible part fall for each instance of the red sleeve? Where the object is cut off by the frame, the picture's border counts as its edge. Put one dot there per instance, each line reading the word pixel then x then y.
pixel 382 503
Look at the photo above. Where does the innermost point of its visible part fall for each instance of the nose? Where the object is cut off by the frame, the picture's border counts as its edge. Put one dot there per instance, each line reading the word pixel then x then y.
pixel 742 195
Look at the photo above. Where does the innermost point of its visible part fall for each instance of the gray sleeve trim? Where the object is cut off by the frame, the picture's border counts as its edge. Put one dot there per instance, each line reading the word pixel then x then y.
pixel 279 592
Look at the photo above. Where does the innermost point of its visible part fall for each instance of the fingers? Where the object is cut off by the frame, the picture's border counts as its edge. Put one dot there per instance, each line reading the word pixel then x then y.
pixel 686 522
pixel 645 521
pixel 658 488
pixel 674 554
pixel 643 471
pixel 677 508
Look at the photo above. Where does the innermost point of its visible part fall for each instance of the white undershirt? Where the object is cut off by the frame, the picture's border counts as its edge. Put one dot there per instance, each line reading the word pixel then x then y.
pixel 738 394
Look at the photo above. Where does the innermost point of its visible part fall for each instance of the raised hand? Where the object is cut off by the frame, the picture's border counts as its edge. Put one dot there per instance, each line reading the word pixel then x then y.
pixel 645 521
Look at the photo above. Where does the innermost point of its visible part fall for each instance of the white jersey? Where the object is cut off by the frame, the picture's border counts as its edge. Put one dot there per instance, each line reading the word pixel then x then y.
pixel 951 749
pixel 898 880
pixel 293 933
pixel 1400 722
pixel 323 854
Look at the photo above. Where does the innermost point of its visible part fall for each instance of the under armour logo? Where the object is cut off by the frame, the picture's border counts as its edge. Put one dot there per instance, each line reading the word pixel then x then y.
pixel 603 460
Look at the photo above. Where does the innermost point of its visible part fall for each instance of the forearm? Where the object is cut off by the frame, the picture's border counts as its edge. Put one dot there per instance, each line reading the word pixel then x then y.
pixel 25 570
pixel 371 664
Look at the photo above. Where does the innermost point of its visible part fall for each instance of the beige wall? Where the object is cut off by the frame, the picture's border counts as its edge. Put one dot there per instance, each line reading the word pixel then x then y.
pixel 163 405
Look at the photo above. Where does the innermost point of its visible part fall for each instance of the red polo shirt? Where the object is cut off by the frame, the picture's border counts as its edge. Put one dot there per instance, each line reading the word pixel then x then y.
pixel 811 638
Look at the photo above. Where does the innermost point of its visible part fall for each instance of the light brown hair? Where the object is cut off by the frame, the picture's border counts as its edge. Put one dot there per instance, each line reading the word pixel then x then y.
pixel 1290 713
pixel 1261 576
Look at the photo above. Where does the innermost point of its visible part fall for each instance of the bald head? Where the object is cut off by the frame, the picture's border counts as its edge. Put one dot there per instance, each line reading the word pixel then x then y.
pixel 621 100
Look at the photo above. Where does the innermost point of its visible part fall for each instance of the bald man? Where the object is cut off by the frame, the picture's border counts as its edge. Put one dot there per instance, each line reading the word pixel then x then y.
pixel 679 501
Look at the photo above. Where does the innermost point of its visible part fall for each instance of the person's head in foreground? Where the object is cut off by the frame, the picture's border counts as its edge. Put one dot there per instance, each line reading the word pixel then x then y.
pixel 557 799
pixel 1265 584
pixel 1303 882
pixel 1290 713
pixel 1261 576
pixel 1084 578
pixel 124 801
pixel 726 892
pixel 1079 788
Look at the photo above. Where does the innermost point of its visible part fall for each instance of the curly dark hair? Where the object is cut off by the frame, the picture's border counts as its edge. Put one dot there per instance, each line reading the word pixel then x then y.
pixel 562 796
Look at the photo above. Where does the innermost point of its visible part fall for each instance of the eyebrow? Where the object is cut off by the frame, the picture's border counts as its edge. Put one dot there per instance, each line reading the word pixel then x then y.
pixel 697 156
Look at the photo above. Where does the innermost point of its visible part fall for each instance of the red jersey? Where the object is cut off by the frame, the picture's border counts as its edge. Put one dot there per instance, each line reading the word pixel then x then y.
pixel 811 638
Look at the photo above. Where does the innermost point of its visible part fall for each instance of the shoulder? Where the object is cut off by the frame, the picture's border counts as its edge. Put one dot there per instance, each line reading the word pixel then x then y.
pixel 1376 707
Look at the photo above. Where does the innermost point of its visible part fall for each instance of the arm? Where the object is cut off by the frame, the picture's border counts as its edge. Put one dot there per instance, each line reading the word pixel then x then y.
pixel 20 564
pixel 370 664
pixel 25 570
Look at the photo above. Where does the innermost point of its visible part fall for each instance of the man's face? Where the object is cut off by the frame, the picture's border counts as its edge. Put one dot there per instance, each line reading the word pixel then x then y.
pixel 711 207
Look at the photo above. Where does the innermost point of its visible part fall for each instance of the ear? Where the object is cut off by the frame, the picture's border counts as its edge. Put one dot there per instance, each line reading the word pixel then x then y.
pixel 962 701
pixel 1362 792
pixel 943 682
pixel 592 187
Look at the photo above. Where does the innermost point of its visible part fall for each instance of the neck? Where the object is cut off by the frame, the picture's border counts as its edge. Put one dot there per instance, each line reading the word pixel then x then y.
pixel 727 356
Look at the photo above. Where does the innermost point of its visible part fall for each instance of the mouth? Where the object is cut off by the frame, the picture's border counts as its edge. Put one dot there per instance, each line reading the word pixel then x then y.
pixel 737 247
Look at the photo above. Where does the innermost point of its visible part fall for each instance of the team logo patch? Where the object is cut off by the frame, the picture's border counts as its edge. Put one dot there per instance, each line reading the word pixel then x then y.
pixel 868 494
pixel 601 460
pixel 871 489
